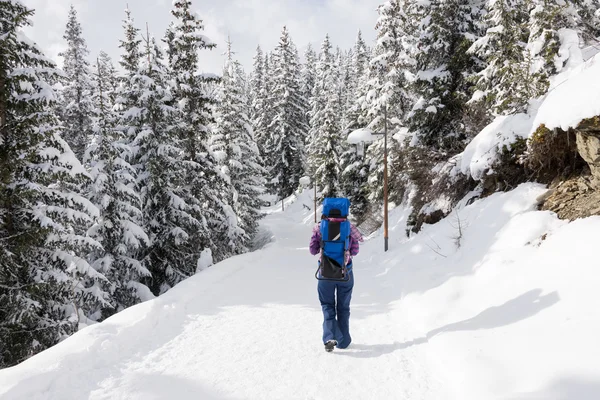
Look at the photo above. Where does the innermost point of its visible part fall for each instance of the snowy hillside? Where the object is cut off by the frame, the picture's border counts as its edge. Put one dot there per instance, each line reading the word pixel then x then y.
pixel 507 308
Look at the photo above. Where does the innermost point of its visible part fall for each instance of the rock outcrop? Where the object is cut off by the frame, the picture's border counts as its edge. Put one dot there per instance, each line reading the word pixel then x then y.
pixel 574 198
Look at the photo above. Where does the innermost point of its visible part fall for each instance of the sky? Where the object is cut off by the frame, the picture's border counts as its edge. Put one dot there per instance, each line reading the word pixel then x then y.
pixel 247 22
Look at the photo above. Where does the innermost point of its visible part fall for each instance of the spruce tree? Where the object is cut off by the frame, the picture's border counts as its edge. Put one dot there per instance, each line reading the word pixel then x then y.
pixel 260 106
pixel 195 101
pixel 546 19
pixel 355 166
pixel 502 50
pixel 287 129
pixel 325 143
pixel 76 103
pixel 114 192
pixel 388 91
pixel 44 292
pixel 169 207
pixel 234 143
pixel 442 67
pixel 308 79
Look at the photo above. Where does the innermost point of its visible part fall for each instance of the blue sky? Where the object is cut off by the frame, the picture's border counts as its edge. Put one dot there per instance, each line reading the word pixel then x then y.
pixel 248 22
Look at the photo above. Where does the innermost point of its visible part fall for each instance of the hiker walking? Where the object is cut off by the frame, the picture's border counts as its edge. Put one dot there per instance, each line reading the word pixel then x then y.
pixel 336 240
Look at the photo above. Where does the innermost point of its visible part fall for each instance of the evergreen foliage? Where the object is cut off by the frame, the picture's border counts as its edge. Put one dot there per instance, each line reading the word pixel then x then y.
pixel 76 105
pixel 46 288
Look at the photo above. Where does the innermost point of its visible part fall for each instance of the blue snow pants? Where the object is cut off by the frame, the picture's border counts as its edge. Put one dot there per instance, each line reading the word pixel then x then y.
pixel 336 324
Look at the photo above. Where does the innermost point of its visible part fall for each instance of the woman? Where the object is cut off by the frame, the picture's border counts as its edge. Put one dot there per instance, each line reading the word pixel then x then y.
pixel 336 324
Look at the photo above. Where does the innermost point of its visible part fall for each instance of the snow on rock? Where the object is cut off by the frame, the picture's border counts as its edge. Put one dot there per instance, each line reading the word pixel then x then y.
pixel 505 308
pixel 574 96
pixel 480 155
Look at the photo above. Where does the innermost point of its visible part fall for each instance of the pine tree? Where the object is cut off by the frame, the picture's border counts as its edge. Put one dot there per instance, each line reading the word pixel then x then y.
pixel 589 20
pixel 308 79
pixel 388 91
pixel 169 207
pixel 130 63
pixel 265 115
pixel 43 292
pixel 76 104
pixel 108 76
pixel 325 143
pixel 257 83
pixel 355 166
pixel 442 67
pixel 502 50
pixel 260 102
pixel 546 19
pixel 195 102
pixel 113 191
pixel 287 130
pixel 358 68
pixel 234 143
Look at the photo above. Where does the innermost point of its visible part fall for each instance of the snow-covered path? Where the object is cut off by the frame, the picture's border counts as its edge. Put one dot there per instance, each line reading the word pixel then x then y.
pixel 247 329
pixel 505 310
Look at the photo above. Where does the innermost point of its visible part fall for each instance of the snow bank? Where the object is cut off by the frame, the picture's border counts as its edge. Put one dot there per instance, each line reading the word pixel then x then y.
pixel 574 97
pixel 480 155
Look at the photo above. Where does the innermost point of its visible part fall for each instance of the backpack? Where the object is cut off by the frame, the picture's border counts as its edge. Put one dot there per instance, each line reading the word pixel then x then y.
pixel 335 240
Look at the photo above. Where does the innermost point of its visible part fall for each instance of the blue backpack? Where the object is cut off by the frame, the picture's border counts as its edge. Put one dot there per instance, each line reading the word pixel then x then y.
pixel 335 240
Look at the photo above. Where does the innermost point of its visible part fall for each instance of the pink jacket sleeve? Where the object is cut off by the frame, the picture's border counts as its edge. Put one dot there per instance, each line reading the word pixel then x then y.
pixel 315 241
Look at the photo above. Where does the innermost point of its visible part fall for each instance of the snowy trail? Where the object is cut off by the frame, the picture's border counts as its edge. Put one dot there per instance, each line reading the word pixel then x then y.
pixel 247 329
pixel 510 314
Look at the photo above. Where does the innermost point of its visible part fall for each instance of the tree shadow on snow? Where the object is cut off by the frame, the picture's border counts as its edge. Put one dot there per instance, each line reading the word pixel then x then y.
pixel 518 309
pixel 525 306
pixel 431 258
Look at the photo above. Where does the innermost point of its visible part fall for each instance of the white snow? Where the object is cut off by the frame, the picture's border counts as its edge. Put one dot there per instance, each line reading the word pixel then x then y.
pixel 481 153
pixel 305 181
pixel 574 96
pixel 363 135
pixel 504 307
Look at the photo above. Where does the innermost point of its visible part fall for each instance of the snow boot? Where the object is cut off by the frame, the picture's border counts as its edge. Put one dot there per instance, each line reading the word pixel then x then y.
pixel 329 346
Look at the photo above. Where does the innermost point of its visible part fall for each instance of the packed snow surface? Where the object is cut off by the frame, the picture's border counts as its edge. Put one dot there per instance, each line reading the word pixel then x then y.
pixel 497 301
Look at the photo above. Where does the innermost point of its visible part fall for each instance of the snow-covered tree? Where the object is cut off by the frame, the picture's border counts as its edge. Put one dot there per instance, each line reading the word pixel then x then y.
pixel 113 191
pixel 355 166
pixel 261 102
pixel 325 143
pixel 308 79
pixel 442 67
pixel 589 20
pixel 169 207
pixel 287 129
pixel 234 145
pixel 76 103
pixel 551 23
pixel 195 101
pixel 502 50
pixel 43 278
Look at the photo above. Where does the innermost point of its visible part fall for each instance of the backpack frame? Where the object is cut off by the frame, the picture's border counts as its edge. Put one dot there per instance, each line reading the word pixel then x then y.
pixel 335 241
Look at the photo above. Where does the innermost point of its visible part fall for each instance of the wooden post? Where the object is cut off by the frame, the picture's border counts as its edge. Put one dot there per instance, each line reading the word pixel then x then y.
pixel 315 199
pixel 385 181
